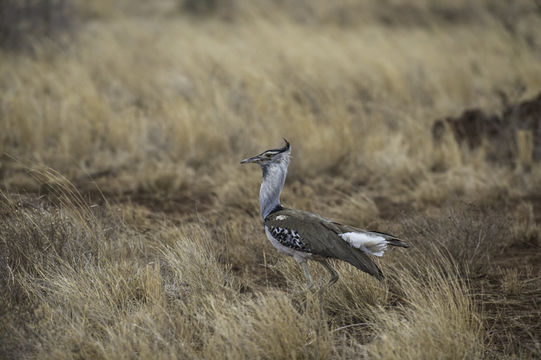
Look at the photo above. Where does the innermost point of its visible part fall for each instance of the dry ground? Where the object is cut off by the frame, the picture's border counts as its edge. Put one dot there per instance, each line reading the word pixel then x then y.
pixel 129 229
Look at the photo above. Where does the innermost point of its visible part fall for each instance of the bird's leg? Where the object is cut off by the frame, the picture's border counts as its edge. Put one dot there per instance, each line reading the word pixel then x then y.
pixel 304 266
pixel 330 269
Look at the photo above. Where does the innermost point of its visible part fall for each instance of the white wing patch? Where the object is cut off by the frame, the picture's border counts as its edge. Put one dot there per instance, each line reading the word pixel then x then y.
pixel 370 244
pixel 281 217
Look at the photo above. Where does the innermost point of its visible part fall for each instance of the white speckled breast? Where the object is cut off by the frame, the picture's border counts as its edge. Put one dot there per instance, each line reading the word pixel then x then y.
pixel 284 249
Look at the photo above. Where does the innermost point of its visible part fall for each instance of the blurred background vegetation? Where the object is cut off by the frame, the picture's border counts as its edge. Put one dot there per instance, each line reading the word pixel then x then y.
pixel 121 88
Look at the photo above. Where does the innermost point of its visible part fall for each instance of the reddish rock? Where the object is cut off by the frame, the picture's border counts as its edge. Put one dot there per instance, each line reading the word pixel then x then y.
pixel 498 131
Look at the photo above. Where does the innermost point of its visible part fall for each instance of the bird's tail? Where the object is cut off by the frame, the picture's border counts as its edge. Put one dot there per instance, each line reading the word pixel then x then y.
pixel 391 239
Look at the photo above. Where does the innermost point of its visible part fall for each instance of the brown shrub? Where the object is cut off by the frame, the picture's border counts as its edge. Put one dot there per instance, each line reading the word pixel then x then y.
pixel 21 22
pixel 469 235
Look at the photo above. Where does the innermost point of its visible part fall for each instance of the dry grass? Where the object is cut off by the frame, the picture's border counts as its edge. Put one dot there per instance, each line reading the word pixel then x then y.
pixel 145 241
pixel 438 320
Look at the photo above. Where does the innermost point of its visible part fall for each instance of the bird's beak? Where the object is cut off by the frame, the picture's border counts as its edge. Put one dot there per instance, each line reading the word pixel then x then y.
pixel 253 159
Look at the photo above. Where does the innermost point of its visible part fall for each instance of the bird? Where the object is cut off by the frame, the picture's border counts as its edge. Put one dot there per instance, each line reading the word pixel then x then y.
pixel 307 236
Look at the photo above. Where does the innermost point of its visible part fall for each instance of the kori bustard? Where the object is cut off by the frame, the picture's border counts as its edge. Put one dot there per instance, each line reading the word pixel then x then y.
pixel 304 235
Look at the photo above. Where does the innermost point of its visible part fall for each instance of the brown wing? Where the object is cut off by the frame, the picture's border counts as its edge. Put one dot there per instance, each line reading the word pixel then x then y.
pixel 320 236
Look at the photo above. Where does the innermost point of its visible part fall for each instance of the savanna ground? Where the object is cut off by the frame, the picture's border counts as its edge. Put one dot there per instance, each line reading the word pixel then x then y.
pixel 130 230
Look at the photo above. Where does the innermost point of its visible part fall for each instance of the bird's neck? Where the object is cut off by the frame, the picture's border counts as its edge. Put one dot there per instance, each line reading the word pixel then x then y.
pixel 274 176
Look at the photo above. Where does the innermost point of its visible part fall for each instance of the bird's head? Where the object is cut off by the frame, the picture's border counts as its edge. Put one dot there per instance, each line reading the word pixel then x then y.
pixel 271 156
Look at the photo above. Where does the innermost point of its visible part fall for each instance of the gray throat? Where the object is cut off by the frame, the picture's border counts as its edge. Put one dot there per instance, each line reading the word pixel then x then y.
pixel 274 177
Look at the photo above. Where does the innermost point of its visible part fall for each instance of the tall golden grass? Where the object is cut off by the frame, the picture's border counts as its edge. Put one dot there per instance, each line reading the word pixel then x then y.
pixel 145 240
